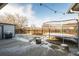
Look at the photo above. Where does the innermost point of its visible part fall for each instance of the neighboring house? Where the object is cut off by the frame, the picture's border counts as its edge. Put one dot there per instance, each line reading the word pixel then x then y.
pixel 66 26
pixel 7 30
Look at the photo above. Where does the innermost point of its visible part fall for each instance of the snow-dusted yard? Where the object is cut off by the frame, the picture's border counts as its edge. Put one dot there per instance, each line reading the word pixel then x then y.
pixel 20 46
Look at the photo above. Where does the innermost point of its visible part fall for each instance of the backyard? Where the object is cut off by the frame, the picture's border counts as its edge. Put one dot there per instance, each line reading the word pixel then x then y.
pixel 27 31
pixel 21 46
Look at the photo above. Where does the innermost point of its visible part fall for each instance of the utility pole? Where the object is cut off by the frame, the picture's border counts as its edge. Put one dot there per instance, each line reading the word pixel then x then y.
pixel 42 30
pixel 62 32
pixel 49 31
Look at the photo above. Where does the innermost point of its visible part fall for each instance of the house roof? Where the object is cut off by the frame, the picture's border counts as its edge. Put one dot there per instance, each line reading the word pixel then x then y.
pixel 73 8
pixel 2 5
pixel 7 24
pixel 61 22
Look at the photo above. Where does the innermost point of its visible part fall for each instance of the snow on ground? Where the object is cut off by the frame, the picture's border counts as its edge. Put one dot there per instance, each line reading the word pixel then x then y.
pixel 20 46
pixel 64 36
pixel 31 50
pixel 26 38
pixel 60 34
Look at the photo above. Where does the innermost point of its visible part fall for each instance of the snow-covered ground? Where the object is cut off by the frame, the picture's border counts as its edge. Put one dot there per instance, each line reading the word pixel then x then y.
pixel 28 38
pixel 64 36
pixel 20 46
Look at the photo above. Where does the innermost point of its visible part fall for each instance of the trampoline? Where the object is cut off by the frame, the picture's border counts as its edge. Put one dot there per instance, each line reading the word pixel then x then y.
pixel 65 29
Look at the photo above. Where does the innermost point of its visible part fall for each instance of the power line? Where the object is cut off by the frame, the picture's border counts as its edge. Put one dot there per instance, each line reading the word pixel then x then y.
pixel 55 11
pixel 48 7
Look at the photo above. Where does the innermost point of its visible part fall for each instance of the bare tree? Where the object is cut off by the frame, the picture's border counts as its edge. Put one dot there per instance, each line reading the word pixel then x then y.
pixel 19 20
pixel 15 19
pixel 22 20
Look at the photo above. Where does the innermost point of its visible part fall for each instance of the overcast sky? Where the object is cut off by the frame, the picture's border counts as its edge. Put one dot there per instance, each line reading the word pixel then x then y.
pixel 37 14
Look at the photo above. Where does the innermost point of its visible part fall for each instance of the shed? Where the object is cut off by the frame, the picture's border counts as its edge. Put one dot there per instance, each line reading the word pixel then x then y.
pixel 7 30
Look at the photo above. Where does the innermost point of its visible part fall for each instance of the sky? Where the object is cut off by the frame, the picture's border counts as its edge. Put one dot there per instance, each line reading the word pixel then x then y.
pixel 37 14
